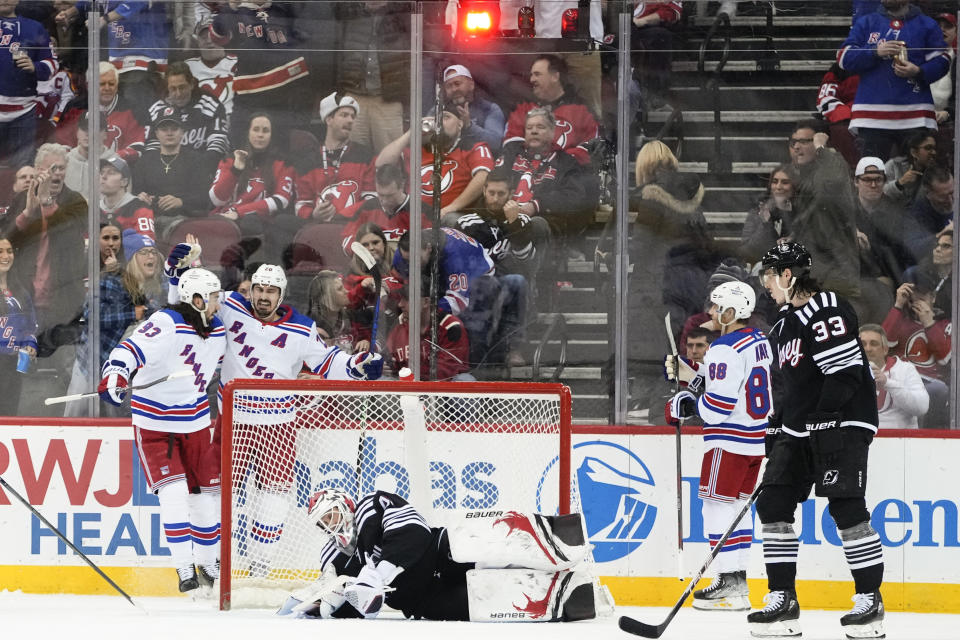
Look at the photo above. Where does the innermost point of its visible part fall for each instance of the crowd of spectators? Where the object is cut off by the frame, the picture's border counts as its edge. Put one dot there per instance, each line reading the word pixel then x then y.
pixel 235 112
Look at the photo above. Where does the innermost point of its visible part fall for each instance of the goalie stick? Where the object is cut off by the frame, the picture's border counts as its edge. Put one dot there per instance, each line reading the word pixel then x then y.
pixel 637 628
pixel 94 394
pixel 60 535
pixel 676 390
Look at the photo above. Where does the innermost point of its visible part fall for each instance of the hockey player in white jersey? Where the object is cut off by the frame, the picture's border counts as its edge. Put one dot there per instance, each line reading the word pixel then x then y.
pixel 734 379
pixel 270 340
pixel 171 419
pixel 382 551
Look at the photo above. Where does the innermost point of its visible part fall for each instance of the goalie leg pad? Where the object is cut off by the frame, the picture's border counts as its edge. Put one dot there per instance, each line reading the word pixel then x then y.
pixel 525 595
pixel 502 539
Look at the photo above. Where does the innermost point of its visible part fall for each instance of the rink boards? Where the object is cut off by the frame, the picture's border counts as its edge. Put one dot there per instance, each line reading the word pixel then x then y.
pixel 85 478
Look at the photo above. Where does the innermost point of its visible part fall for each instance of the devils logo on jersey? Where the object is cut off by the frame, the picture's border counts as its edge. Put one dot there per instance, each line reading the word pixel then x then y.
pixel 564 129
pixel 917 350
pixel 342 194
pixel 446 177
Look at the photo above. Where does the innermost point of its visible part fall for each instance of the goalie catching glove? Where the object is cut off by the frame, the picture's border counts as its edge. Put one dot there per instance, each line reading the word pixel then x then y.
pixel 681 406
pixel 365 366
pixel 113 383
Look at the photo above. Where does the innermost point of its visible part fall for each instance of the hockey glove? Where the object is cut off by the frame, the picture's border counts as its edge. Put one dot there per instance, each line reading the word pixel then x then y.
pixel 113 384
pixel 365 366
pixel 675 367
pixel 319 599
pixel 682 405
pixel 178 262
pixel 770 438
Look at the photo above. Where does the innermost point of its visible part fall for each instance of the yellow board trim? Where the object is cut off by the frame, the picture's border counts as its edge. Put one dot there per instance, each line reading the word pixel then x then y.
pixel 918 597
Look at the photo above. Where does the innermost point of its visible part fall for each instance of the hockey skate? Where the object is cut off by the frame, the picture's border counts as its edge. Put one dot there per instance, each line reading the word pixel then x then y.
pixel 780 618
pixel 188 578
pixel 206 576
pixel 728 592
pixel 865 620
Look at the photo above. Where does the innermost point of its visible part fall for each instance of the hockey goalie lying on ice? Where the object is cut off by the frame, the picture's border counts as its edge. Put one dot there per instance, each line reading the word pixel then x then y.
pixel 491 566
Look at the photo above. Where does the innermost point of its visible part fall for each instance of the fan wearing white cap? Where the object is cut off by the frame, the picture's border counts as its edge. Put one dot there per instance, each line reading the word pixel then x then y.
pixel 734 379
pixel 482 119
pixel 340 173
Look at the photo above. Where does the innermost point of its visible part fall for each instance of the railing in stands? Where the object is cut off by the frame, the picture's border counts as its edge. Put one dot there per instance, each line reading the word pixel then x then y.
pixel 711 82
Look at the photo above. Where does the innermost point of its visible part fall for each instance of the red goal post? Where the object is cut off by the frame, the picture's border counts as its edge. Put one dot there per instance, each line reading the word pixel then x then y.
pixel 444 446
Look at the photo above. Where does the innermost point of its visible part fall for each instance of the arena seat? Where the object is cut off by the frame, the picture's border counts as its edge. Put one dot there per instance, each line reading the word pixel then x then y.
pixel 219 237
pixel 317 246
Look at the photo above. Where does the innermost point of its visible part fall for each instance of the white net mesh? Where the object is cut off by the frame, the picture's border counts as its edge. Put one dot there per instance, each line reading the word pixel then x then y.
pixel 442 446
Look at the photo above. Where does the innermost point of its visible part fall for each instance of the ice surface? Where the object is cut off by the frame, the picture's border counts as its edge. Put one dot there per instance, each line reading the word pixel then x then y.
pixel 112 618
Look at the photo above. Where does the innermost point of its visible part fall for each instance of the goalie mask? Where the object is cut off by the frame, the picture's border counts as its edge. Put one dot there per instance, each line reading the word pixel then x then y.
pixel 270 275
pixel 331 511
pixel 738 296
pixel 198 282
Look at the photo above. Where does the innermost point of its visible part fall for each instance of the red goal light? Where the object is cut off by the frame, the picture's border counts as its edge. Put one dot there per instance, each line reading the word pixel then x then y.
pixel 479 18
pixel 569 23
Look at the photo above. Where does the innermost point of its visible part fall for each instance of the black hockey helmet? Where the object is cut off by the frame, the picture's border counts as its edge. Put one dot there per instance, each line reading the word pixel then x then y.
pixel 788 255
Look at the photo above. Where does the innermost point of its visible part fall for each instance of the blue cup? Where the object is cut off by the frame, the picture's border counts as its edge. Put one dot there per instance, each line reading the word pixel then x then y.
pixel 23 361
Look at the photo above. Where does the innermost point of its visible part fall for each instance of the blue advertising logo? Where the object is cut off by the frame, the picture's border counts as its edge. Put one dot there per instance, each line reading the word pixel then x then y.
pixel 616 494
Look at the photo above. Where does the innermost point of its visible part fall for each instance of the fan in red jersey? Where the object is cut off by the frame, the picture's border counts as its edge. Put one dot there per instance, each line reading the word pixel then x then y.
pixel 464 169
pixel 340 174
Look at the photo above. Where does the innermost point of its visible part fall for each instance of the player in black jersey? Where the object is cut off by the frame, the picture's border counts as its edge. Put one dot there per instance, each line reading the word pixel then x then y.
pixel 381 551
pixel 828 415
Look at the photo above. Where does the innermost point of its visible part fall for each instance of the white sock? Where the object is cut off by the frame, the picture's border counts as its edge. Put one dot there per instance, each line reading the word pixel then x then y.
pixel 175 516
pixel 717 517
pixel 205 525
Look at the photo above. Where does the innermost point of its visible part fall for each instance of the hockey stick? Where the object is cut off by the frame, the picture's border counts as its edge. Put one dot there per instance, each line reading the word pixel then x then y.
pixel 645 630
pixel 50 526
pixel 676 390
pixel 371 264
pixel 94 394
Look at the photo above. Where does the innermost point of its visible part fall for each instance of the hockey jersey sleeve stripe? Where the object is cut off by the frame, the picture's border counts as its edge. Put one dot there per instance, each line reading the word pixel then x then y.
pixel 135 350
pixel 838 350
pixel 294 327
pixel 721 400
pixel 323 368
pixel 236 306
pixel 402 516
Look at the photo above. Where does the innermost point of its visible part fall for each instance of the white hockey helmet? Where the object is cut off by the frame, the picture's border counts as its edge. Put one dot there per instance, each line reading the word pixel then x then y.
pixel 332 510
pixel 197 282
pixel 270 275
pixel 735 295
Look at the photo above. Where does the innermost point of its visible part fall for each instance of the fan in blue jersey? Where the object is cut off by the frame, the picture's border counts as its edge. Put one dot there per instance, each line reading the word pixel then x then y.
pixel 466 287
pixel 381 552
pixel 734 378
pixel 25 58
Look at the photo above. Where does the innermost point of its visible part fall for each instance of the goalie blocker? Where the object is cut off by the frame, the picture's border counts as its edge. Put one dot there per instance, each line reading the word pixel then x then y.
pixel 491 566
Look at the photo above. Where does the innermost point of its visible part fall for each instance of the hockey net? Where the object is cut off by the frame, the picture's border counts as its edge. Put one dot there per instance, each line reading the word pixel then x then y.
pixel 445 447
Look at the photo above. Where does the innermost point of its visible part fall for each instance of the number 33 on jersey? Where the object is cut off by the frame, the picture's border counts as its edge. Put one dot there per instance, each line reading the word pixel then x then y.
pixel 736 399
